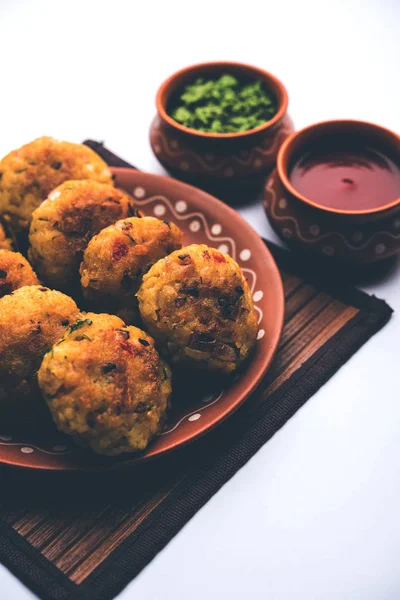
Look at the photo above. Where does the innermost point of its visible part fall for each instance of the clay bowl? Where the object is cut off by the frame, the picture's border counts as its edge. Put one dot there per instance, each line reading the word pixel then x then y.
pixel 356 237
pixel 225 164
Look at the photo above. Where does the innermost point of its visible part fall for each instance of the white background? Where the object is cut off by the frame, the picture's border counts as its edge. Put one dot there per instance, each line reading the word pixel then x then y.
pixel 316 513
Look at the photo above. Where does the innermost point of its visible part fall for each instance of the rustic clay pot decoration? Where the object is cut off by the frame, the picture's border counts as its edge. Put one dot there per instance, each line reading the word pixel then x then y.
pixel 353 235
pixel 227 162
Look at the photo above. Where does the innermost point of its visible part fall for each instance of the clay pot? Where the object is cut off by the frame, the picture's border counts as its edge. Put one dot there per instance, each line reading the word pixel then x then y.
pixel 357 237
pixel 213 161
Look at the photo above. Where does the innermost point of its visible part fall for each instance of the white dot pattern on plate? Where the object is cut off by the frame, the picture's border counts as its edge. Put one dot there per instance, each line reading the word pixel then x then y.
pixel 380 248
pixel 159 210
pixel 184 165
pixel 257 163
pixel 286 232
pixel 223 248
pixel 26 450
pixel 194 417
pixel 139 192
pixel 260 334
pixel 328 250
pixel 257 296
pixel 216 229
pixel 194 226
pixel 357 236
pixel 315 230
pixel 174 144
pixel 181 206
pixel 282 203
pixel 245 254
pixel 5 438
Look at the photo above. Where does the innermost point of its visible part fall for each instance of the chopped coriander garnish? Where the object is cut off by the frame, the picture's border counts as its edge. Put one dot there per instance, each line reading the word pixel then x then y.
pixel 78 324
pixel 224 105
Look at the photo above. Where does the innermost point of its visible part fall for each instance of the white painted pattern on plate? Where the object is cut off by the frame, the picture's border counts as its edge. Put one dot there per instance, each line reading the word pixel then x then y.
pixel 34 447
pixel 190 216
pixel 193 412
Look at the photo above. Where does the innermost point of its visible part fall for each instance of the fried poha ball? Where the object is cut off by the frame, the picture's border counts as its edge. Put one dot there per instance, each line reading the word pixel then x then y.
pixel 64 223
pixel 106 385
pixel 198 306
pixel 28 175
pixel 5 242
pixel 32 319
pixel 116 259
pixel 15 272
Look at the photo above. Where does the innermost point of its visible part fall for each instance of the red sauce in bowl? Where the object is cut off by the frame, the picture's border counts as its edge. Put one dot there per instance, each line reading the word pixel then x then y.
pixel 346 175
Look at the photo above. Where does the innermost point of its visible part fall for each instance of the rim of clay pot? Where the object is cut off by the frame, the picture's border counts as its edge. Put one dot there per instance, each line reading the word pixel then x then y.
pixel 294 141
pixel 179 77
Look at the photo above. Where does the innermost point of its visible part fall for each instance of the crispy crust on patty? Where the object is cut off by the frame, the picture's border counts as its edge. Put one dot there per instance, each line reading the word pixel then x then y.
pixel 116 259
pixel 63 225
pixel 106 385
pixel 28 174
pixel 198 306
pixel 15 272
pixel 31 319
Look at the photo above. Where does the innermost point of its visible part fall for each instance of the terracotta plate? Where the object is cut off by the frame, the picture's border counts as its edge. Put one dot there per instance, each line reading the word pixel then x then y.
pixel 196 408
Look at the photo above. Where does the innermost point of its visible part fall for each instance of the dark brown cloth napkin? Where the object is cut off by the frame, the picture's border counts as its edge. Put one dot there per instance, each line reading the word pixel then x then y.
pixel 73 537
